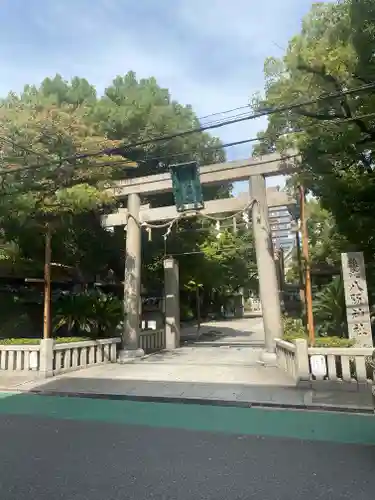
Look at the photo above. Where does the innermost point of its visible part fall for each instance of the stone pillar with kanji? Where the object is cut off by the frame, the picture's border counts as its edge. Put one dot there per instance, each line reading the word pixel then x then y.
pixel 356 298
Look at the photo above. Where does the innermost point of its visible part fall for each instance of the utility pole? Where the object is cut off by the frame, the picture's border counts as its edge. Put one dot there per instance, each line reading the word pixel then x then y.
pixel 47 283
pixel 305 252
pixel 300 270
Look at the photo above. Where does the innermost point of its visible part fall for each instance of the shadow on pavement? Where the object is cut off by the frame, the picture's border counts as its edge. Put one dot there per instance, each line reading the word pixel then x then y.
pixel 216 332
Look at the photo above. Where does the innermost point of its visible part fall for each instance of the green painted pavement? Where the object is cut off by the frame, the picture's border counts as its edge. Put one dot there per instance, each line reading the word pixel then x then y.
pixel 308 425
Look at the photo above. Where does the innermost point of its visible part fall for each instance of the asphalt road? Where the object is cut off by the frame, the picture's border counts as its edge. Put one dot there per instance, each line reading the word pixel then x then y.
pixel 45 458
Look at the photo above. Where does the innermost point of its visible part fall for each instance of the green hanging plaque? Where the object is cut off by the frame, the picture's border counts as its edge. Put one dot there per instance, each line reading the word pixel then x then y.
pixel 186 186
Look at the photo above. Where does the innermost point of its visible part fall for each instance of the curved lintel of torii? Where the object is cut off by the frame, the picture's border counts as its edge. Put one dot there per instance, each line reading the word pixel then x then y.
pixel 239 170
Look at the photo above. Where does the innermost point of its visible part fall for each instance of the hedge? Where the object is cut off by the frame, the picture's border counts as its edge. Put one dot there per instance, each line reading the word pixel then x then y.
pixel 58 340
pixel 294 329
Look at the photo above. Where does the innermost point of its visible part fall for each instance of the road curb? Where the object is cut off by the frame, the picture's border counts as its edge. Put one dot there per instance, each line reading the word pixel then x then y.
pixel 206 402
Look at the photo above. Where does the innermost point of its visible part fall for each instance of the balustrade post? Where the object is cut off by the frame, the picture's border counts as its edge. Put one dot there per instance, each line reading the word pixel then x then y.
pixel 302 360
pixel 46 357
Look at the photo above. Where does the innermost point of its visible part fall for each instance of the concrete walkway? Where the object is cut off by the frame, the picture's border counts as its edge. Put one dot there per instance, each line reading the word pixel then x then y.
pixel 192 365
pixel 222 363
pixel 244 331
pixel 129 382
pixel 221 367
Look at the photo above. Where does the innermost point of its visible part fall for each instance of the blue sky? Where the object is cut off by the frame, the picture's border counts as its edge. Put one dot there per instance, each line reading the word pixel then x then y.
pixel 209 53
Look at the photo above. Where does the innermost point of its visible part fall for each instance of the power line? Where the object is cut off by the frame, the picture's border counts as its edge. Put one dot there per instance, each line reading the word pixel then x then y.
pixel 124 162
pixel 24 148
pixel 209 148
pixel 252 116
pixel 221 120
pixel 45 157
pixel 337 121
pixel 184 153
pixel 121 151
pixel 224 112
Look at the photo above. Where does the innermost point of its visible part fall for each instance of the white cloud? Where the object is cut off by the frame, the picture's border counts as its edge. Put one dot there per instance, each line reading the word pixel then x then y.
pixel 208 53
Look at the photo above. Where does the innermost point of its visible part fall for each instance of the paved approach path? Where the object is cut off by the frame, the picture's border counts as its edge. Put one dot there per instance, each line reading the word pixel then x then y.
pixel 236 331
pixel 223 369
pixel 79 449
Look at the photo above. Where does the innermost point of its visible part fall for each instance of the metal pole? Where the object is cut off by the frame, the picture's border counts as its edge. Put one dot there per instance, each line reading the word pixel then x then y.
pixel 47 284
pixel 305 252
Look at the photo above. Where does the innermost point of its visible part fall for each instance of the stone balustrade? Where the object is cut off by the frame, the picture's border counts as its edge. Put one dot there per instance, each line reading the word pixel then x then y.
pixel 152 340
pixel 75 355
pixel 338 364
pixel 19 358
pixel 49 358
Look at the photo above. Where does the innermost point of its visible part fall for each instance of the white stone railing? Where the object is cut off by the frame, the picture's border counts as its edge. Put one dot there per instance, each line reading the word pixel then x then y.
pixel 49 358
pixel 152 340
pixel 350 364
pixel 19 358
pixel 74 355
pixel 340 364
pixel 286 357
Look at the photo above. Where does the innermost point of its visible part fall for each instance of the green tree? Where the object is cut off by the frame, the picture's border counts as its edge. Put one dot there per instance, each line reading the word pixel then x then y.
pixel 220 264
pixel 333 52
pixel 223 264
pixel 58 119
pixel 139 110
pixel 231 260
pixel 325 241
pixel 39 133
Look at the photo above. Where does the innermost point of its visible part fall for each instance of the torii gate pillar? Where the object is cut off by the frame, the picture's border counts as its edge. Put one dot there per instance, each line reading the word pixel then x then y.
pixel 132 283
pixel 268 284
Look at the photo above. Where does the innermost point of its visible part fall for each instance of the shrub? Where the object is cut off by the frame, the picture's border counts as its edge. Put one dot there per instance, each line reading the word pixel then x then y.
pixel 333 342
pixel 329 309
pixel 187 313
pixel 58 340
pixel 295 329
pixel 19 341
pixel 94 314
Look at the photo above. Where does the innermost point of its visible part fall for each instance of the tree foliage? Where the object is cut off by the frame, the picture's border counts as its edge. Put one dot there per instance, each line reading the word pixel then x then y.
pixel 330 311
pixel 44 127
pixel 230 261
pixel 325 241
pixel 335 136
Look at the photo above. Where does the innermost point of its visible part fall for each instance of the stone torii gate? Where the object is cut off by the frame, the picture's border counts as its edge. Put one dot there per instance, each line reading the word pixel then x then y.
pixel 255 170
